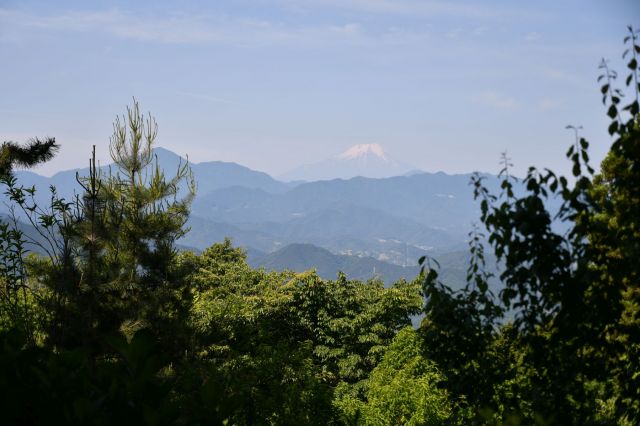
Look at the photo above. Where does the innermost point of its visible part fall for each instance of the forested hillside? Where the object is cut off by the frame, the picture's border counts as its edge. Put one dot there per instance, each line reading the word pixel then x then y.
pixel 107 322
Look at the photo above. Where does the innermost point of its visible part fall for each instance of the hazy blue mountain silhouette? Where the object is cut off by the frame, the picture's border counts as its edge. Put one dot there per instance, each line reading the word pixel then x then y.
pixel 394 220
pixel 436 200
pixel 302 257
pixel 209 176
pixel 343 230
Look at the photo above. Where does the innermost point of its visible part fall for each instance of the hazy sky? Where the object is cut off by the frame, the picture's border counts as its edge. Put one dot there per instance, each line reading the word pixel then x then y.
pixel 272 84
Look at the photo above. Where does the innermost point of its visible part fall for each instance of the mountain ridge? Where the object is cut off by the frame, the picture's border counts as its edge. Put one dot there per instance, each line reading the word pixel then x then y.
pixel 395 219
pixel 367 160
pixel 303 257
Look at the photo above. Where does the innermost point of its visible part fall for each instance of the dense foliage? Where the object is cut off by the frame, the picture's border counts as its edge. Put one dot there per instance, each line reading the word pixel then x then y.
pixel 570 356
pixel 105 322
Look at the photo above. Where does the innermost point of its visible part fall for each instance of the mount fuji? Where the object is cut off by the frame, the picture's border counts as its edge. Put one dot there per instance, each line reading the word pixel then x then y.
pixel 366 160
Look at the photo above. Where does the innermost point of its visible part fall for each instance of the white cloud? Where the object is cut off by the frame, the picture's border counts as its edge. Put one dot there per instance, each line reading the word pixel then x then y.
pixel 404 7
pixel 495 99
pixel 177 29
pixel 207 29
pixel 204 97
pixel 352 28
pixel 454 33
pixel 557 74
pixel 533 36
pixel 480 31
pixel 549 104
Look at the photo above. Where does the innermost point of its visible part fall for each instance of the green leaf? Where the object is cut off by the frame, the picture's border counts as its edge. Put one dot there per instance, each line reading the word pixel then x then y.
pixel 583 143
pixel 575 158
pixel 576 169
pixel 570 151
pixel 613 127
pixel 563 181
pixel 612 112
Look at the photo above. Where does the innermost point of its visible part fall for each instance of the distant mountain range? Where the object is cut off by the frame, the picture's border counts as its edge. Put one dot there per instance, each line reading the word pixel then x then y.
pixel 355 225
pixel 395 219
pixel 366 160
pixel 343 229
pixel 303 257
pixel 209 176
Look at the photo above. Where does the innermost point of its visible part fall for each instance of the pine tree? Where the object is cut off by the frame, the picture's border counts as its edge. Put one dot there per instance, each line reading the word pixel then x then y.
pixel 37 151
pixel 118 270
pixel 132 219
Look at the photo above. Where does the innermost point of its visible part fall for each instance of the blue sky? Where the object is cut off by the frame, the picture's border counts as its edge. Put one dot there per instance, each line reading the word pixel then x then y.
pixel 272 84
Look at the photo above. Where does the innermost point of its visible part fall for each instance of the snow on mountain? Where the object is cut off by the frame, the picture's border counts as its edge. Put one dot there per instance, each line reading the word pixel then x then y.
pixel 367 160
pixel 359 151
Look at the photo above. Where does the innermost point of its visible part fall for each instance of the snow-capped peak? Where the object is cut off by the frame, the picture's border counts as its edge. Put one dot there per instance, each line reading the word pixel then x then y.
pixel 362 150
pixel 366 160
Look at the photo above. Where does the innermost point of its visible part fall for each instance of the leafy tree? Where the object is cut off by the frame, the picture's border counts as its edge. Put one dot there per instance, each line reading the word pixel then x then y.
pixel 613 232
pixel 256 363
pixel 404 388
pixel 278 344
pixel 129 386
pixel 353 321
pixel 574 290
pixel 16 301
pixel 574 294
pixel 458 330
